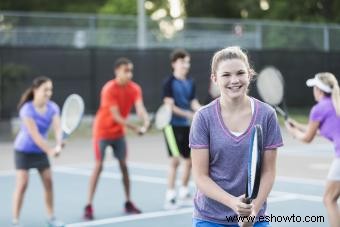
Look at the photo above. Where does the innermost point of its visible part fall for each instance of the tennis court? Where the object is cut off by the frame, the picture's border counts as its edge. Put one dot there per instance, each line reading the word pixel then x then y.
pixel 298 188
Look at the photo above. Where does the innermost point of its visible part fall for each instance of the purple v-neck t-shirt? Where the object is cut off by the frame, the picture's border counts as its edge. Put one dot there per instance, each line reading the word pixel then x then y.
pixel 329 123
pixel 228 155
pixel 23 141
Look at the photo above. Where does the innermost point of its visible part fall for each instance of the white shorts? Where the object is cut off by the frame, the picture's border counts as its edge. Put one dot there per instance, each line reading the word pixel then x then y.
pixel 334 170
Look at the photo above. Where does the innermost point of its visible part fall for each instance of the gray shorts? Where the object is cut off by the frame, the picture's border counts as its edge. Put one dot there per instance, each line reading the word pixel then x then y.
pixel 118 146
pixel 28 161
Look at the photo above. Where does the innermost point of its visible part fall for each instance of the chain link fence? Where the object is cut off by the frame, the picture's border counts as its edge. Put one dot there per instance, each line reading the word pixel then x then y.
pixel 86 30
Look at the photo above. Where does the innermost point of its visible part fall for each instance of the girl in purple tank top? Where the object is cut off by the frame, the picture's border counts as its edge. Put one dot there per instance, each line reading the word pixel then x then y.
pixel 219 141
pixel 37 113
pixel 325 117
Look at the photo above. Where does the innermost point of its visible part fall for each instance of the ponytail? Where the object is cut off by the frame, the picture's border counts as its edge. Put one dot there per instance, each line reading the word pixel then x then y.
pixel 28 95
pixel 330 80
pixel 336 95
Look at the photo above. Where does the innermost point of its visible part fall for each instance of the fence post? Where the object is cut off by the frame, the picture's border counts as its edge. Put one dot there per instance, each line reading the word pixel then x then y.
pixel 326 38
pixel 1 87
pixel 258 36
pixel 92 30
pixel 141 29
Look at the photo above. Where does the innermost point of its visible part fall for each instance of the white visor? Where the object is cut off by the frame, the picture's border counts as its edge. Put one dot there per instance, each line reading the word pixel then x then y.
pixel 318 83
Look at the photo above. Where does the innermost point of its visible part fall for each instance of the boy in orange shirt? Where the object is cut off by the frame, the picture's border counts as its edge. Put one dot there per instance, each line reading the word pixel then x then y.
pixel 118 96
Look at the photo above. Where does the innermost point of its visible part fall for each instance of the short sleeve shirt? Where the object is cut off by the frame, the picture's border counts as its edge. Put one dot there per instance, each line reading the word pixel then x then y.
pixel 228 154
pixel 24 141
pixel 114 95
pixel 183 92
pixel 329 123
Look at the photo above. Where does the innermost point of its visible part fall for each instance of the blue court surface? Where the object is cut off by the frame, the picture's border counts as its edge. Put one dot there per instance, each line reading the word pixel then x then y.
pixel 290 196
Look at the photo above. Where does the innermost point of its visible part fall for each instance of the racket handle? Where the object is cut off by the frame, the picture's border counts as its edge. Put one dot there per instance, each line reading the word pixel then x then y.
pixel 247 200
pixel 58 149
pixel 282 112
pixel 142 131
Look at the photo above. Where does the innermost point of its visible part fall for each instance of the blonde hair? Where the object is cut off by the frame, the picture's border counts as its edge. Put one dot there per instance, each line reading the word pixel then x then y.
pixel 330 80
pixel 232 52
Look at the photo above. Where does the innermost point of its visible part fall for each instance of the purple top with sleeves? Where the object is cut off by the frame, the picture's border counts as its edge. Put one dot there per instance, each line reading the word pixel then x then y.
pixel 329 123
pixel 228 155
pixel 24 142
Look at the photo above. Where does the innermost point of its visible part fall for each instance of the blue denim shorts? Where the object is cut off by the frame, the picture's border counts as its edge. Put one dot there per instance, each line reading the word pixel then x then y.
pixel 201 223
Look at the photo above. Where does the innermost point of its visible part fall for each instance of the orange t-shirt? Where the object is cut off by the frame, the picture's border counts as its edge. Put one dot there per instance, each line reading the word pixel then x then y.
pixel 121 96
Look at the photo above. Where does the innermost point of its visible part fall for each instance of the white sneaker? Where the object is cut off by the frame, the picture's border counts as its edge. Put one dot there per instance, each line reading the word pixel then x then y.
pixel 185 198
pixel 53 222
pixel 15 223
pixel 170 205
pixel 170 200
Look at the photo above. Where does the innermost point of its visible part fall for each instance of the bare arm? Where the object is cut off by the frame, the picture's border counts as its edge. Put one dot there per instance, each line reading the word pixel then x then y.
pixel 300 126
pixel 195 105
pixel 120 120
pixel 200 168
pixel 176 110
pixel 305 136
pixel 36 136
pixel 142 113
pixel 267 179
pixel 58 134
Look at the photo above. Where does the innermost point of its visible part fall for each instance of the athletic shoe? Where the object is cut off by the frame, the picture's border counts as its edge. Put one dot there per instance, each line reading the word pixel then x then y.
pixel 88 212
pixel 53 222
pixel 170 200
pixel 184 198
pixel 130 208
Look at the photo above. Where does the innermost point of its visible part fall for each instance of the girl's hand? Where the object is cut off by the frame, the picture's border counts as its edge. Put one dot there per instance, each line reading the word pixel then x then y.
pixel 240 207
pixel 290 125
pixel 58 149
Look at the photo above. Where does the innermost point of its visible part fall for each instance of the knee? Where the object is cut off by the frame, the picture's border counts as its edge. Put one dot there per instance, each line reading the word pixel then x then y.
pixel 22 186
pixel 99 166
pixel 123 165
pixel 48 183
pixel 174 163
pixel 329 200
pixel 188 163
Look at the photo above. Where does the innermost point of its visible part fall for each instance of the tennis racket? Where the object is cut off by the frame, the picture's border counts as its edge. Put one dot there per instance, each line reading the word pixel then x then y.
pixel 161 118
pixel 270 86
pixel 71 114
pixel 254 163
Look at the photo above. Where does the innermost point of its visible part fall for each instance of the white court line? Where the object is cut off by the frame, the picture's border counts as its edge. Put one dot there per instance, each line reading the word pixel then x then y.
pixel 6 173
pixel 158 214
pixel 282 198
pixel 310 198
pixel 105 174
pixel 319 166
pixel 69 169
pixel 297 180
pixel 163 167
pixel 137 165
pixel 133 217
pixel 163 181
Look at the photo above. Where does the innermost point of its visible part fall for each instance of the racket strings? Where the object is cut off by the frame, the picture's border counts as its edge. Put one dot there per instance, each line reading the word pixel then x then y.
pixel 270 86
pixel 72 112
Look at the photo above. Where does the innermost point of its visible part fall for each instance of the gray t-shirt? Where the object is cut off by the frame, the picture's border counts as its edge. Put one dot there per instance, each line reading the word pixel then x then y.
pixel 228 154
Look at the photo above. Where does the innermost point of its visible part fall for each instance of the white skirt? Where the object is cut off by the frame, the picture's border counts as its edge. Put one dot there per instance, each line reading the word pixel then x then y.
pixel 334 170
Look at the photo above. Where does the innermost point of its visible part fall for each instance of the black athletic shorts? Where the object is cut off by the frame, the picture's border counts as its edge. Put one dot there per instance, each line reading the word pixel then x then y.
pixel 177 140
